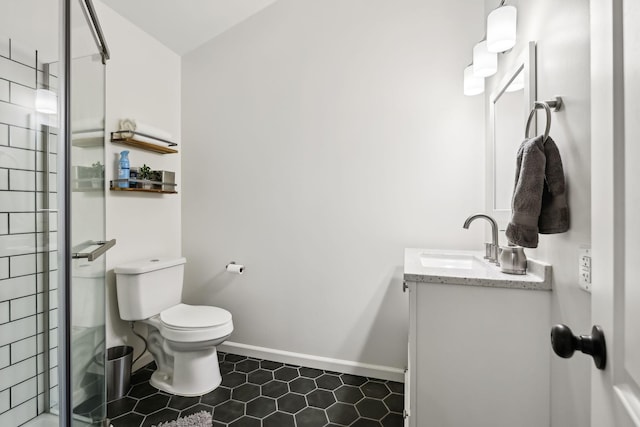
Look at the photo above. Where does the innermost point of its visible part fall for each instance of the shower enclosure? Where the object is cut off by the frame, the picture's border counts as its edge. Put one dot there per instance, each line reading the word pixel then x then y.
pixel 52 214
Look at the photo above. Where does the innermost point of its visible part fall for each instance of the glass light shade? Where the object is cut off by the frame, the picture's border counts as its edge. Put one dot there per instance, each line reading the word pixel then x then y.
pixel 517 83
pixel 473 85
pixel 501 29
pixel 485 63
pixel 46 101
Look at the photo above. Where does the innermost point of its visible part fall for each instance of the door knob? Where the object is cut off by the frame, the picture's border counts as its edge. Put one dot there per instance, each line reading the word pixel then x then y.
pixel 564 343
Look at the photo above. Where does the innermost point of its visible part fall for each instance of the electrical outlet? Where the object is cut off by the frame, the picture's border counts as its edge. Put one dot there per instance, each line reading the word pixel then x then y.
pixel 584 268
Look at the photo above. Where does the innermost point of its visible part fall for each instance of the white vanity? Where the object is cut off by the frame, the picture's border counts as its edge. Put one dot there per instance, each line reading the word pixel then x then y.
pixel 478 342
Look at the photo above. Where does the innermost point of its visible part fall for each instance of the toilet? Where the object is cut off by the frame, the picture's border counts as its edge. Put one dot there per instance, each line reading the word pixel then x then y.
pixel 182 338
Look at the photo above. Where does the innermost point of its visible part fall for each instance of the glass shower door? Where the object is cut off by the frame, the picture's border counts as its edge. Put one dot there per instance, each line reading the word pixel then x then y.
pixel 87 154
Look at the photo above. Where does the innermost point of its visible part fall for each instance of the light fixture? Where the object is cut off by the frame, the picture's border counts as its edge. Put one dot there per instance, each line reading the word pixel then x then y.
pixel 501 28
pixel 485 63
pixel 473 85
pixel 46 101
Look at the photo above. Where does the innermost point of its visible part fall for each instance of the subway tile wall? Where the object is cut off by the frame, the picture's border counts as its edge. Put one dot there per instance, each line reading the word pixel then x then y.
pixel 22 243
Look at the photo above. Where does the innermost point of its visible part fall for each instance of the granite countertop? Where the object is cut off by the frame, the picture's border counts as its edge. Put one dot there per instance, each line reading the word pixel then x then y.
pixel 469 268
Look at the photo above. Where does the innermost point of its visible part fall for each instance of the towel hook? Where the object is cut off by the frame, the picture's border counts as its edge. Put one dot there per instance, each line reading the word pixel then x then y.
pixel 556 105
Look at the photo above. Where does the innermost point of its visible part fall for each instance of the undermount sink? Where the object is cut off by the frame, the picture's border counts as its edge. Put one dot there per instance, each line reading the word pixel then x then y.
pixel 456 261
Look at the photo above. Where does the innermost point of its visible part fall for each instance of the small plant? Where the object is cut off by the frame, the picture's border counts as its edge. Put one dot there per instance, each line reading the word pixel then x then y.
pixel 97 170
pixel 145 172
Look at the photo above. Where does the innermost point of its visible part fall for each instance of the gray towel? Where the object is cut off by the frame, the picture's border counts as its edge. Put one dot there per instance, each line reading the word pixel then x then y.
pixel 527 194
pixel 554 215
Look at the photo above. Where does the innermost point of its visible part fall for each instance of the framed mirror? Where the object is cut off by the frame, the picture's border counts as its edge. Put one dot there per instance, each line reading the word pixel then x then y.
pixel 509 105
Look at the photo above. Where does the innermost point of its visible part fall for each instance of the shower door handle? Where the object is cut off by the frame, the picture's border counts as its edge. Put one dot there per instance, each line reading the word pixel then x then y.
pixel 96 253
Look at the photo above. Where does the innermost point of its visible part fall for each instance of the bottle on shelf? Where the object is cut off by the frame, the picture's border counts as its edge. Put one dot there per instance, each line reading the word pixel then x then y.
pixel 123 169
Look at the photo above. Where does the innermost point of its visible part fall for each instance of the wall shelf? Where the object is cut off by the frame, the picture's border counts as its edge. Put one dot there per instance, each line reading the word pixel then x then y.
pixel 137 185
pixel 144 190
pixel 144 142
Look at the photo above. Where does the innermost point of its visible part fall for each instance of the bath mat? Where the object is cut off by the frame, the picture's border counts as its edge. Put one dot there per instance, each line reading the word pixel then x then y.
pixel 199 419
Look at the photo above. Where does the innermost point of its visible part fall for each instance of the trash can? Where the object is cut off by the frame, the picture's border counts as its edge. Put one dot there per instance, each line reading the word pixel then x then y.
pixel 118 371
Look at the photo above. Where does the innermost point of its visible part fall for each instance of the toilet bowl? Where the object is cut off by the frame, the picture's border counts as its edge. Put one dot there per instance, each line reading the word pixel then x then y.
pixel 182 338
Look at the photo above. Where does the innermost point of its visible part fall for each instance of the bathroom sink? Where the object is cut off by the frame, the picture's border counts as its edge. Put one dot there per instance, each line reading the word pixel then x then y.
pixel 460 267
pixel 457 261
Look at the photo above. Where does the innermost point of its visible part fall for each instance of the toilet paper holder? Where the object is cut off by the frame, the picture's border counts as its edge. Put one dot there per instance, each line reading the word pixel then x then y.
pixel 234 268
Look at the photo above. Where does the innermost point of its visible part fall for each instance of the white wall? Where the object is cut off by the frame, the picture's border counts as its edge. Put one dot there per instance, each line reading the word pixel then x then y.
pixel 320 139
pixel 561 30
pixel 142 82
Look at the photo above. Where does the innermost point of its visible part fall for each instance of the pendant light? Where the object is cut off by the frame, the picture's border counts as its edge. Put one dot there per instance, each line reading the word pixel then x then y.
pixel 473 85
pixel 501 28
pixel 485 63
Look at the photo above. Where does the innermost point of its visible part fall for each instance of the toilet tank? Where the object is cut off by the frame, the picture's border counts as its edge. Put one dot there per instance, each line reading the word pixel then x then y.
pixel 147 287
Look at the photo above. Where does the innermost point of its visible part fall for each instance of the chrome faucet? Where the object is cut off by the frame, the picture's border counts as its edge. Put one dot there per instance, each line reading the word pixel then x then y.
pixel 491 249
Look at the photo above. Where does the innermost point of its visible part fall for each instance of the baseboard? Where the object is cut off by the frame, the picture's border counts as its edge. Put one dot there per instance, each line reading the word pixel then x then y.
pixel 318 362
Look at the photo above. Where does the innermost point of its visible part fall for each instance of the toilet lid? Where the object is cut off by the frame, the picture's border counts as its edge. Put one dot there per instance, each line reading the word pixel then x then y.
pixel 194 316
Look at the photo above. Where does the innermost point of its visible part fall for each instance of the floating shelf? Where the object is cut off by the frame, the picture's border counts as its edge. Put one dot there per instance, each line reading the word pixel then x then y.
pixel 160 187
pixel 145 190
pixel 144 142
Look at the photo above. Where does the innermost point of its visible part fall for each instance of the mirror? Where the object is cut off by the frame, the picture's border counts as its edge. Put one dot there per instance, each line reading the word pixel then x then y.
pixel 509 106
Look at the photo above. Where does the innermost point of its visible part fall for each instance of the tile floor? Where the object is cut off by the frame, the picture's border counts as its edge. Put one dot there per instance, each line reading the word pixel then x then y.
pixel 261 393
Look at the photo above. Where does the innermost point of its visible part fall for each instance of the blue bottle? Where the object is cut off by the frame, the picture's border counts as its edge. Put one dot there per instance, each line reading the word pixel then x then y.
pixel 123 170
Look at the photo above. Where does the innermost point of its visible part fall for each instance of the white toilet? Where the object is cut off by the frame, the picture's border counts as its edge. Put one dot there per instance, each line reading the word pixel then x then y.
pixel 182 338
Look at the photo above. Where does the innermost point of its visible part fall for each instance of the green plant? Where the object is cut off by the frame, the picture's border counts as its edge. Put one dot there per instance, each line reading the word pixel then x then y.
pixel 97 170
pixel 145 172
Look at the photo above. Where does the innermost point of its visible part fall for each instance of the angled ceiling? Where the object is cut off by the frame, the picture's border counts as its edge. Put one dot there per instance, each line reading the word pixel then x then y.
pixel 183 25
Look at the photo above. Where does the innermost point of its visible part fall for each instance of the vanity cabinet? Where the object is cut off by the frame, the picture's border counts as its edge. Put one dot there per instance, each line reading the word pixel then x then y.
pixel 479 356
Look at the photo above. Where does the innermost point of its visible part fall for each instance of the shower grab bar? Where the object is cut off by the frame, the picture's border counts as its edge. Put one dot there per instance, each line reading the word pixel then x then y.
pixel 98 36
pixel 96 253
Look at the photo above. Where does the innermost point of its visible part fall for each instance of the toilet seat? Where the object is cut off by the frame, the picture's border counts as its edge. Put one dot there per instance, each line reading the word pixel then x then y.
pixel 193 323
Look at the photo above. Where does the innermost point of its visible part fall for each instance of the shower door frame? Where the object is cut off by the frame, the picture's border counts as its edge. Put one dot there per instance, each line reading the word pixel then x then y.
pixel 65 415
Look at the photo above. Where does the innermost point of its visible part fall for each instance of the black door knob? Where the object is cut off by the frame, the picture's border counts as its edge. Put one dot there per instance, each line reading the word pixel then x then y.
pixel 564 343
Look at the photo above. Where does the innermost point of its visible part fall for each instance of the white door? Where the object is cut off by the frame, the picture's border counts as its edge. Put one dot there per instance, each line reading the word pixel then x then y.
pixel 615 125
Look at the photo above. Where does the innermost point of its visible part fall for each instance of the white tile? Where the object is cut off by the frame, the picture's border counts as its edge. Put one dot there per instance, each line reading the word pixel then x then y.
pixel 4 400
pixel 4 312
pixel 5 359
pixel 23 96
pixel 4 268
pixel 4 46
pixel 53 159
pixel 15 158
pixel 17 288
pixel 16 115
pixel 4 134
pixel 24 391
pixel 23 307
pixel 20 414
pixel 53 377
pixel 53 241
pixel 4 90
pixel 4 179
pixel 20 180
pixel 54 396
pixel 22 138
pixel 17 201
pixel 53 220
pixel 16 72
pixel 23 264
pixel 16 373
pixel 23 349
pixel 53 185
pixel 23 53
pixel 17 244
pixel 53 338
pixel 22 222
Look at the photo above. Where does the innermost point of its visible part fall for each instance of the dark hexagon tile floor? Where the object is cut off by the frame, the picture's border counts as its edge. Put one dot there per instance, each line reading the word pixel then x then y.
pixel 262 393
